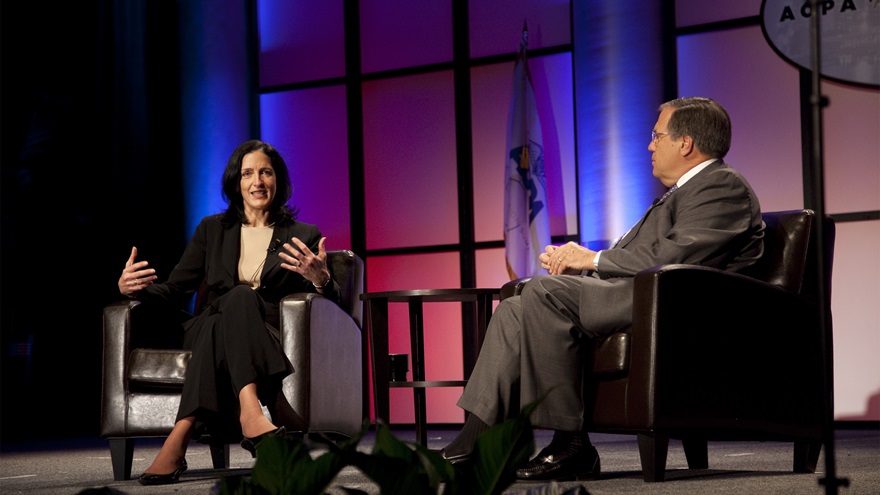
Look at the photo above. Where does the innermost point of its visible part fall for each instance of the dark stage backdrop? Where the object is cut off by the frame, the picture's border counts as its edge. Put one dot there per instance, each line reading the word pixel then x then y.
pixel 90 166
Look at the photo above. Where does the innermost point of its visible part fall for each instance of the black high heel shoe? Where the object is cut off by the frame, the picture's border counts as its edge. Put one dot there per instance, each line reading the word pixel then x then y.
pixel 163 479
pixel 250 443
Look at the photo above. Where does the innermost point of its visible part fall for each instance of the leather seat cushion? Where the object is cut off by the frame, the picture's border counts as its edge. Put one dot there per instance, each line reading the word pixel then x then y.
pixel 611 354
pixel 162 368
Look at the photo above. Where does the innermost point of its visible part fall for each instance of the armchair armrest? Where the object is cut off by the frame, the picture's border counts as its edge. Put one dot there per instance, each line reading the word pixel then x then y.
pixel 731 347
pixel 323 343
pixel 513 288
pixel 117 344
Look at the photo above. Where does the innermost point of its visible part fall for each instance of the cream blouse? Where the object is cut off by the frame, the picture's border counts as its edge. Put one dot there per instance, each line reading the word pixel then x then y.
pixel 254 245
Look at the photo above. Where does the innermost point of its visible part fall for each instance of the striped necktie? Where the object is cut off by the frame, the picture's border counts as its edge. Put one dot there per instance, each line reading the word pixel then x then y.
pixel 655 203
pixel 666 194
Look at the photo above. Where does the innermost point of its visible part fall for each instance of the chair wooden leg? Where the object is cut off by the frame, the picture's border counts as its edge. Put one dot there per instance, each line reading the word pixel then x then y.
pixel 219 454
pixel 696 451
pixel 806 456
pixel 652 451
pixel 121 454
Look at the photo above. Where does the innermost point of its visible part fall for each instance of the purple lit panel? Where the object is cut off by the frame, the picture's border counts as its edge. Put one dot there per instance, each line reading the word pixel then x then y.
pixel 495 30
pixel 309 129
pixel 300 41
pixel 856 283
pixel 410 171
pixel 443 359
pixel 491 91
pixel 403 33
pixel 851 125
pixel 491 268
pixel 692 12
pixel 765 111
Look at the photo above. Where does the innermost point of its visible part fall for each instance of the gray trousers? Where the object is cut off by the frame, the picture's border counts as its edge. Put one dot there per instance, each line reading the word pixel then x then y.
pixel 532 350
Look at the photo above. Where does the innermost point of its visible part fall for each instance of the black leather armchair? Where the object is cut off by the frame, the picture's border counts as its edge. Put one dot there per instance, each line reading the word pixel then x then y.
pixel 715 355
pixel 141 386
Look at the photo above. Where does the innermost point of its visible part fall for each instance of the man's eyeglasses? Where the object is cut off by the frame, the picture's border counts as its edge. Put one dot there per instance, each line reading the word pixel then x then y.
pixel 657 135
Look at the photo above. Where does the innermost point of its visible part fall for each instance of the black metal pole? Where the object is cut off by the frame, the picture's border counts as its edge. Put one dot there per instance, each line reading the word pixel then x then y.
pixel 817 103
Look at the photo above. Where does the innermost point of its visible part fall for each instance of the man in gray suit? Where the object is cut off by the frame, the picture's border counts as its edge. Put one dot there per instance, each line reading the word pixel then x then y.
pixel 709 216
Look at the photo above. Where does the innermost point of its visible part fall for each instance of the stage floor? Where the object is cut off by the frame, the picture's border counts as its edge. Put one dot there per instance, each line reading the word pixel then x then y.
pixel 69 467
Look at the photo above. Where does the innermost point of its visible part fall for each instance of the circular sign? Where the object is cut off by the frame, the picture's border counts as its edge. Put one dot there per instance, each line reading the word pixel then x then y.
pixel 849 36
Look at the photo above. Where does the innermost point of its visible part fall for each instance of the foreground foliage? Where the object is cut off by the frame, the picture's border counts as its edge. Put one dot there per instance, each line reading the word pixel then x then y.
pixel 285 466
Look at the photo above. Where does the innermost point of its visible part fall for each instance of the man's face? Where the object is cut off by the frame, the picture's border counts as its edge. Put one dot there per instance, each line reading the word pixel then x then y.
pixel 666 153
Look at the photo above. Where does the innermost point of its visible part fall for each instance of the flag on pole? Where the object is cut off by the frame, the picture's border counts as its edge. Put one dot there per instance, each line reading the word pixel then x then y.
pixel 526 220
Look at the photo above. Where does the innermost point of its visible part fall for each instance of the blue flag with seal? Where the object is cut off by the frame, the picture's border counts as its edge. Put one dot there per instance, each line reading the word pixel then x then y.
pixel 526 219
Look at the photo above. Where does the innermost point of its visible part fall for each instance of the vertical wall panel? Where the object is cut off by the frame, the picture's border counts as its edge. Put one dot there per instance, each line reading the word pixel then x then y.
pixel 491 269
pixel 856 314
pixel 851 124
pixel 497 27
pixel 215 104
pixel 491 89
pixel 691 12
pixel 765 111
pixel 300 41
pixel 403 33
pixel 410 170
pixel 552 79
pixel 619 67
pixel 308 127
pixel 762 94
pixel 443 360
pixel 490 103
pixel 410 167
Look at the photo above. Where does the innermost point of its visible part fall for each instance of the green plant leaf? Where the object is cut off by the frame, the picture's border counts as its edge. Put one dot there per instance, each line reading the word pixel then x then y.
pixel 499 451
pixel 285 466
pixel 438 469
pixel 394 466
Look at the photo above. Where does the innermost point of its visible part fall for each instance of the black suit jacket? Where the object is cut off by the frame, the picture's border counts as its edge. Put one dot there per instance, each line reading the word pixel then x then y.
pixel 210 263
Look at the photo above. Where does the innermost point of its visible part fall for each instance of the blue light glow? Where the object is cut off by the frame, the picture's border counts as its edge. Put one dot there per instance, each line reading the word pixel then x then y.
pixel 618 85
pixel 216 96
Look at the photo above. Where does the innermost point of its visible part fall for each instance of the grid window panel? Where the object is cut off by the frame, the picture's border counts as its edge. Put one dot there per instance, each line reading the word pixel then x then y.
pixel 856 283
pixel 308 127
pixel 851 148
pixel 401 33
pixel 491 268
pixel 495 29
pixel 764 111
pixel 491 92
pixel 442 323
pixel 300 41
pixel 692 12
pixel 411 178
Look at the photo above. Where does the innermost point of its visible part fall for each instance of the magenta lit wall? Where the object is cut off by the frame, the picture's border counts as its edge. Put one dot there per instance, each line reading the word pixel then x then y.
pixel 300 41
pixel 308 127
pixel 410 183
pixel 409 162
pixel 760 90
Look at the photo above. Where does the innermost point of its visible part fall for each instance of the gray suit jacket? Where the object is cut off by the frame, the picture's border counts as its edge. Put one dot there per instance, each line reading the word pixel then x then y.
pixel 714 220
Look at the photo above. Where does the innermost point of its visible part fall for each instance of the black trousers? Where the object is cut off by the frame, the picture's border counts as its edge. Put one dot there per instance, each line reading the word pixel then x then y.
pixel 232 346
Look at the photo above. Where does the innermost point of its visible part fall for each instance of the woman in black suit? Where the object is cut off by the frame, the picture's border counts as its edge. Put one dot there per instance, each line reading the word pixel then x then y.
pixel 247 259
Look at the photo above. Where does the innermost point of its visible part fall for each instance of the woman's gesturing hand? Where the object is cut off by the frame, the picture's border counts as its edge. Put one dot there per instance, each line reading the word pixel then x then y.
pixel 135 276
pixel 300 259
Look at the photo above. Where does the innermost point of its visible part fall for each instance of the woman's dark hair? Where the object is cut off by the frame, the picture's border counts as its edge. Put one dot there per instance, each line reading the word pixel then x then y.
pixel 279 211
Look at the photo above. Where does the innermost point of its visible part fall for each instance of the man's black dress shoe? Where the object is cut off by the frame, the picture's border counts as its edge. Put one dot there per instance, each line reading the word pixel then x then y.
pixel 562 464
pixel 162 479
pixel 250 443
